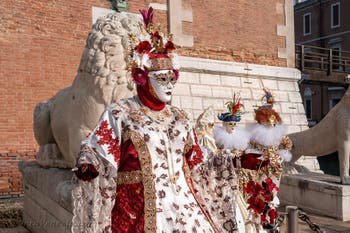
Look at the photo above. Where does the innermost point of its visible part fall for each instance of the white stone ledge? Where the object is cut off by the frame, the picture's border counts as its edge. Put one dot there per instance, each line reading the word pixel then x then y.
pixel 317 193
pixel 158 6
pixel 222 92
pixel 237 68
pixel 189 77
pixel 232 81
pixel 201 90
pixel 209 79
pixel 182 89
pixel 245 93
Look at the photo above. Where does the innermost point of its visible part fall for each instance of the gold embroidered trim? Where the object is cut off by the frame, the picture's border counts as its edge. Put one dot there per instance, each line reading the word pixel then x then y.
pixel 132 177
pixel 161 115
pixel 286 143
pixel 147 180
pixel 264 149
pixel 187 173
pixel 188 144
pixel 275 167
pixel 163 63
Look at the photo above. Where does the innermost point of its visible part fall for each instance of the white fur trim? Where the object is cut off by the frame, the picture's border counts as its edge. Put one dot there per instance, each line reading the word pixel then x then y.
pixel 265 135
pixel 238 139
pixel 286 155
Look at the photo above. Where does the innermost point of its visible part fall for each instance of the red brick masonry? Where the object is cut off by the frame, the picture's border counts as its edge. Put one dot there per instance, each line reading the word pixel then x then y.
pixel 41 44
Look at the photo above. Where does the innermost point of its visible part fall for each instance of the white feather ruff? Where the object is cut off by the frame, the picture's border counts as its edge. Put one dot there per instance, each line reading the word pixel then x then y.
pixel 238 139
pixel 267 136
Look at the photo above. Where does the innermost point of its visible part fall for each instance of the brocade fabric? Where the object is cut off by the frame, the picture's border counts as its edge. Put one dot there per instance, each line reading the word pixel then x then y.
pixel 144 159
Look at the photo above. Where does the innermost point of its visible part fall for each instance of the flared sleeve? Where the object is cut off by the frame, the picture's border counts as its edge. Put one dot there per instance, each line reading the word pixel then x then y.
pixel 193 152
pixel 285 147
pixel 95 183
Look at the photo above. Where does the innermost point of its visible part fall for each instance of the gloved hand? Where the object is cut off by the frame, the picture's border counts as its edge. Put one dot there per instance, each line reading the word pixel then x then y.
pixel 251 161
pixel 86 172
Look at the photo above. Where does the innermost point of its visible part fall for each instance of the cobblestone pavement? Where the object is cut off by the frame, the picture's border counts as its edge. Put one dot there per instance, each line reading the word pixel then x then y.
pixel 11 212
pixel 327 225
pixel 18 229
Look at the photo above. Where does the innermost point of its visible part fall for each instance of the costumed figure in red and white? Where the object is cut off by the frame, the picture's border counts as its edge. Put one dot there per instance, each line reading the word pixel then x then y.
pixel 230 136
pixel 215 180
pixel 134 170
pixel 263 164
pixel 233 141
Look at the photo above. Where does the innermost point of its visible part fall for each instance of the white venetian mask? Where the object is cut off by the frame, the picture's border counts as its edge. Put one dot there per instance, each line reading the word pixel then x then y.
pixel 163 82
pixel 229 126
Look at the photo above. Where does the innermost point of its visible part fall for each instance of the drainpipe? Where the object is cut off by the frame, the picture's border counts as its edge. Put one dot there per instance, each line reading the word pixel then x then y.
pixel 322 44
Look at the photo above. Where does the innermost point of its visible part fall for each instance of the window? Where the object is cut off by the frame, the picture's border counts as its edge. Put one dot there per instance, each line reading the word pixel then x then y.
pixel 333 102
pixel 308 108
pixel 298 1
pixel 336 57
pixel 307 24
pixel 308 103
pixel 335 94
pixel 335 15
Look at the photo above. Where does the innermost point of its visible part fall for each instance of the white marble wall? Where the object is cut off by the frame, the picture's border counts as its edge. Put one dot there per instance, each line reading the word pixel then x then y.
pixel 202 84
pixel 205 83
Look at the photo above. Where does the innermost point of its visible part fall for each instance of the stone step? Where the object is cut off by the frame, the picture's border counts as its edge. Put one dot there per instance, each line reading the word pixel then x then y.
pixel 18 229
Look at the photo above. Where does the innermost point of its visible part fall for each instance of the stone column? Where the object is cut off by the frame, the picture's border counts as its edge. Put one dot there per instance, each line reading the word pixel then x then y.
pixel 176 16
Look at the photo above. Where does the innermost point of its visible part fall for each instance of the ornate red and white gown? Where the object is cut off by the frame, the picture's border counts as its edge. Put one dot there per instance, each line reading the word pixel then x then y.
pixel 272 147
pixel 143 159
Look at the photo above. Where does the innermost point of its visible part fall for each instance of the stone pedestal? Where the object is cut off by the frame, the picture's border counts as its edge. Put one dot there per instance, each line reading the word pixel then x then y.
pixel 318 193
pixel 47 198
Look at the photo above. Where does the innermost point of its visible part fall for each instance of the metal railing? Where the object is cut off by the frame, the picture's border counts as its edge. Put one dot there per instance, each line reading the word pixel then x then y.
pixel 293 214
pixel 309 57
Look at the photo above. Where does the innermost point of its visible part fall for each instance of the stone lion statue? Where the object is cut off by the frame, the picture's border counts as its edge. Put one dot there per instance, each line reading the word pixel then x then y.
pixel 329 135
pixel 61 123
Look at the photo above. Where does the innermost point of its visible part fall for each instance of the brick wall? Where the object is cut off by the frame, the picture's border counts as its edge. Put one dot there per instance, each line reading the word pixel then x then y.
pixel 243 31
pixel 10 178
pixel 41 43
pixel 40 48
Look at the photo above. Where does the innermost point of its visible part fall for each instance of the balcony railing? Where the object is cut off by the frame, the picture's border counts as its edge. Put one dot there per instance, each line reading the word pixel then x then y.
pixel 322 59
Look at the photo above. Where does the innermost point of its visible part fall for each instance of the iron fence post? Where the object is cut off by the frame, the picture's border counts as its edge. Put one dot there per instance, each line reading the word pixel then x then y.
pixel 302 57
pixel 330 68
pixel 292 219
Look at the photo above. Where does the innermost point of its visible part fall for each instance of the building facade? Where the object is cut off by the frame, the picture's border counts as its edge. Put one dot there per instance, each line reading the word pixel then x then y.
pixel 322 37
pixel 243 46
pixel 323 24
